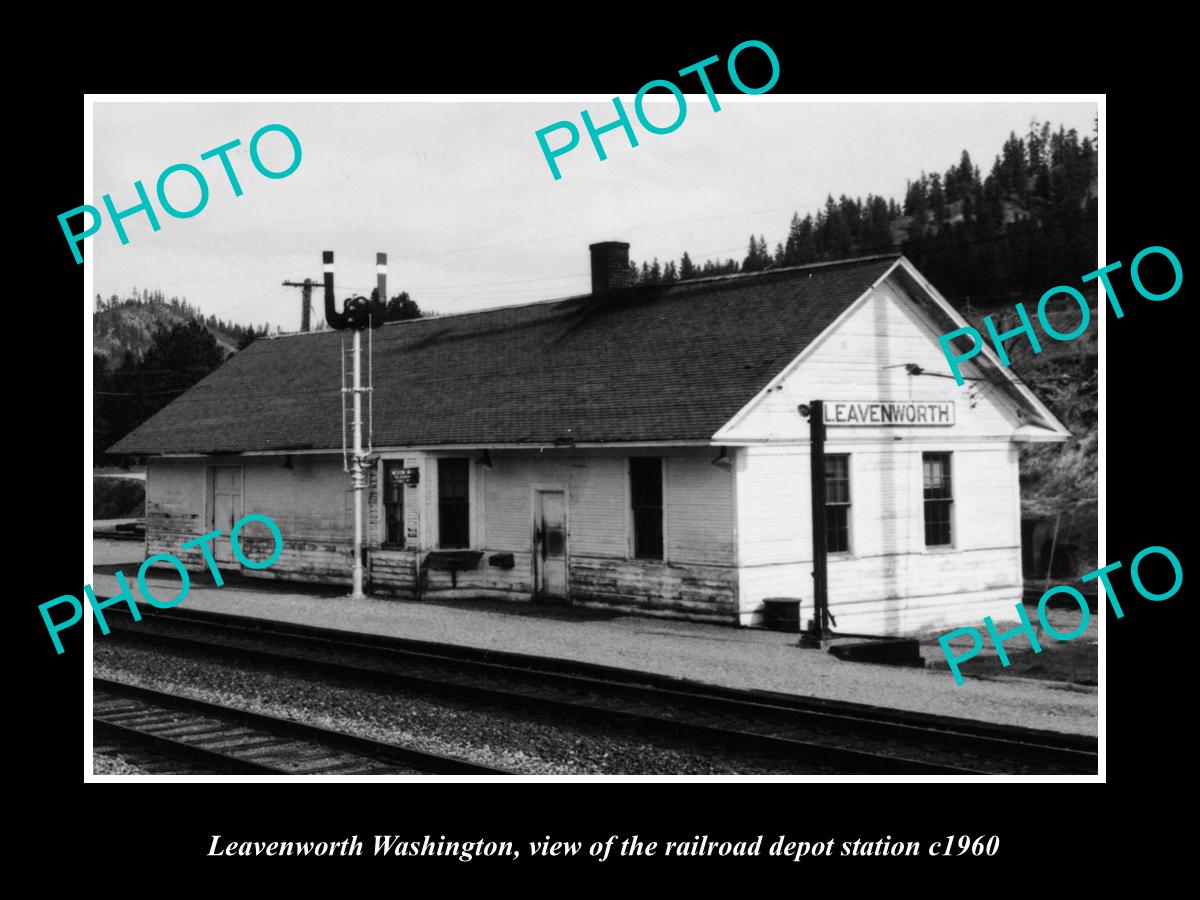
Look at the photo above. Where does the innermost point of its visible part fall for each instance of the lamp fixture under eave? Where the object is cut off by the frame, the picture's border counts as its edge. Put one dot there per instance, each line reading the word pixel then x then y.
pixel 723 459
pixel 287 463
pixel 486 460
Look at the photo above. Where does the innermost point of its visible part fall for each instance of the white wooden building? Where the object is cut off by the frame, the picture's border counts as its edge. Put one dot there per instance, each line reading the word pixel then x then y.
pixel 637 448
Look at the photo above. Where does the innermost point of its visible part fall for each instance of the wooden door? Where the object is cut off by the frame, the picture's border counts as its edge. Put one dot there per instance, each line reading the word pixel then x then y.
pixel 224 508
pixel 550 546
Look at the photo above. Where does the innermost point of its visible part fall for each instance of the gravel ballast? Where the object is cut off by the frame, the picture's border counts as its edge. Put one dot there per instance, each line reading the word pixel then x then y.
pixel 739 658
pixel 528 743
pixel 115 765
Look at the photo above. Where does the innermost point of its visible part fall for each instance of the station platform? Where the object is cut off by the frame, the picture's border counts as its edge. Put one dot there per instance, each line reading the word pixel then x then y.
pixel 716 654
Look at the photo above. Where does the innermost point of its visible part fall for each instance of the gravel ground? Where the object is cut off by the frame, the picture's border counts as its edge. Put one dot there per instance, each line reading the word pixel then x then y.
pixel 508 739
pixel 107 552
pixel 115 765
pixel 1064 665
pixel 716 654
pixel 734 657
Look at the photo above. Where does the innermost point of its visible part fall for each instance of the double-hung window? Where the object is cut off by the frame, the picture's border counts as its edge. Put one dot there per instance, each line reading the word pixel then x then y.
pixel 837 503
pixel 454 504
pixel 938 498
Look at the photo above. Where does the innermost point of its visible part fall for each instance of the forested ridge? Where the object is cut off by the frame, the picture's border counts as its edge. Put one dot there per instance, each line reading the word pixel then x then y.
pixel 994 240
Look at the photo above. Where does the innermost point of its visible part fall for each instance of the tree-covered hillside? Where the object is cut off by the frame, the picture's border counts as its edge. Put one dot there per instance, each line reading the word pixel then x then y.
pixel 1029 224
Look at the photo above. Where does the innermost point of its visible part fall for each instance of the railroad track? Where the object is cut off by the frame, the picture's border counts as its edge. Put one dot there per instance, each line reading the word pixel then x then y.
pixel 204 737
pixel 854 738
pixel 149 760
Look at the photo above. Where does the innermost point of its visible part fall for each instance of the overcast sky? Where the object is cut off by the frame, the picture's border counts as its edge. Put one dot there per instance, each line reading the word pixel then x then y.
pixel 461 199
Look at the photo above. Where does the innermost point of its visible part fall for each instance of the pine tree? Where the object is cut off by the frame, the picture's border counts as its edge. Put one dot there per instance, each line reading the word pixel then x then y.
pixel 836 241
pixel 937 198
pixel 915 198
pixel 808 249
pixel 670 275
pixel 687 268
pixel 753 262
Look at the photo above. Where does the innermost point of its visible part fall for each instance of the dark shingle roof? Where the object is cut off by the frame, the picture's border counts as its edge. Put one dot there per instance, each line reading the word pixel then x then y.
pixel 659 364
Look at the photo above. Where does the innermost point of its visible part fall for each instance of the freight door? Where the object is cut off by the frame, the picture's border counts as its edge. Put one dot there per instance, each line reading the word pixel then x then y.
pixel 225 508
pixel 550 546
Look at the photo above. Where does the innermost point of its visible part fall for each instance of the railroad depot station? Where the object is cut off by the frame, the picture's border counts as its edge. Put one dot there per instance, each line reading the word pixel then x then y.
pixel 643 449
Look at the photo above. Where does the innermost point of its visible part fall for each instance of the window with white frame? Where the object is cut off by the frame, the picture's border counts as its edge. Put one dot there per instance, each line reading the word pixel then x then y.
pixel 393 503
pixel 939 496
pixel 837 503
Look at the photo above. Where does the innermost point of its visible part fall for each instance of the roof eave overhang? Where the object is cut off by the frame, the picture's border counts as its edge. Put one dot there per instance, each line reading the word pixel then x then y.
pixel 987 360
pixel 466 447
pixel 732 424
pixel 928 297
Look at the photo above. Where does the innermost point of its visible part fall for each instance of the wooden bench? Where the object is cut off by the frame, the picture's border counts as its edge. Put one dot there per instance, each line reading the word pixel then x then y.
pixel 452 561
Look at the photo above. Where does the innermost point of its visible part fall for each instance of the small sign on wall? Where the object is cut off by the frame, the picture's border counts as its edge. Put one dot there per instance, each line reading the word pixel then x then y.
pixel 408 475
pixel 889 412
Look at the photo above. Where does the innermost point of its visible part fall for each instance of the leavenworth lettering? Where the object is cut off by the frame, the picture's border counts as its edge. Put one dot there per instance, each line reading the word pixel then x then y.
pixel 875 412
pixel 350 846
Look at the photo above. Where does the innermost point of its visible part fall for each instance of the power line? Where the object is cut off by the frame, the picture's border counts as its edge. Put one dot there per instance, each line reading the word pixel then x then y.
pixel 571 237
pixel 499 283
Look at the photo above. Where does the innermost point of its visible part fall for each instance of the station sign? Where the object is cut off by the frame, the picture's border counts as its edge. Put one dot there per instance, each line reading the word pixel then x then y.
pixel 408 475
pixel 877 413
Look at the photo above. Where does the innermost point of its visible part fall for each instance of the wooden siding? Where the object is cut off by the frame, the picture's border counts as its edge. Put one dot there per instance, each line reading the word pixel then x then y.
pixel 311 503
pixel 697 500
pixel 308 502
pixel 392 573
pixel 889 581
pixel 707 593
pixel 698 509
pixel 175 501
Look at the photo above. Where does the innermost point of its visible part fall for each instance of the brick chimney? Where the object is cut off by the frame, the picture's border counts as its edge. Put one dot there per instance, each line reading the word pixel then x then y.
pixel 610 266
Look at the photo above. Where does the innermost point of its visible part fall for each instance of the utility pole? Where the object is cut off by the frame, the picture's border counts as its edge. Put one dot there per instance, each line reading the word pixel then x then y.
pixel 306 287
pixel 816 424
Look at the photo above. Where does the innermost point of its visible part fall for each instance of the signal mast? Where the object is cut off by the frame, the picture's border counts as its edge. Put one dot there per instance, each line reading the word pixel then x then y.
pixel 358 314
